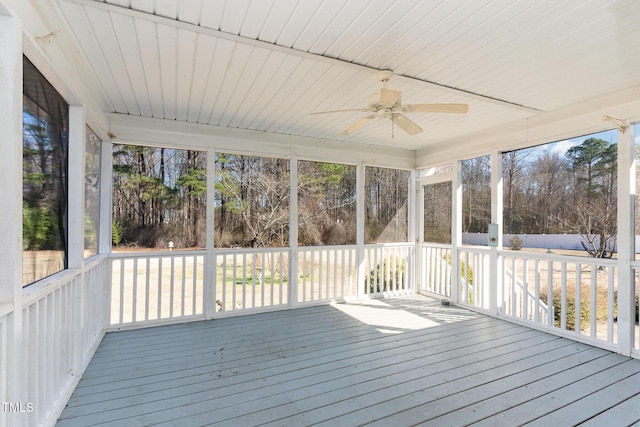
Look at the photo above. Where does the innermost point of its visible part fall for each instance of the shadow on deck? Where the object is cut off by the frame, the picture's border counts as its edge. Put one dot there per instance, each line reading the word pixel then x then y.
pixel 390 362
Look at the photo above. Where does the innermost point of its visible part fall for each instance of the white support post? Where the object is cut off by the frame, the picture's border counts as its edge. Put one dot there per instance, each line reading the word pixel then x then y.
pixel 360 196
pixel 106 221
pixel 106 211
pixel 419 197
pixel 411 231
pixel 12 370
pixel 75 188
pixel 495 287
pixel 75 219
pixel 209 281
pixel 626 239
pixel 419 236
pixel 497 194
pixel 456 229
pixel 293 232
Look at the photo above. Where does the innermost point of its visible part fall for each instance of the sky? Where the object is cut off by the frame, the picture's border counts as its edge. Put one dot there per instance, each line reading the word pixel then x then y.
pixel 561 147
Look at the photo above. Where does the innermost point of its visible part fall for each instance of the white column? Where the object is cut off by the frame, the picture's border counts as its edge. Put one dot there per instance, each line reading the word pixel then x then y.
pixel 626 239
pixel 360 196
pixel 419 236
pixel 12 373
pixel 75 188
pixel 106 212
pixel 419 195
pixel 293 232
pixel 209 281
pixel 75 217
pixel 412 262
pixel 106 208
pixel 456 228
pixel 497 195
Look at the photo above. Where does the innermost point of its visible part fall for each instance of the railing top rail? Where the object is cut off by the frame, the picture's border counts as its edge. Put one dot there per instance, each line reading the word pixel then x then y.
pixel 231 251
pixel 44 287
pixel 47 285
pixel 156 254
pixel 557 257
pixel 389 245
pixel 326 247
pixel 473 248
pixel 435 245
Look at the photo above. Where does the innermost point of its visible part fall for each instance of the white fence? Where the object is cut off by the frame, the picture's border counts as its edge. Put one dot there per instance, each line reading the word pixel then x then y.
pixel 568 295
pixel 62 324
pixel 251 279
pixel 581 291
pixel 326 273
pixel 434 269
pixel 160 287
pixel 542 241
pixel 156 287
pixel 475 283
pixel 388 269
pixel 6 332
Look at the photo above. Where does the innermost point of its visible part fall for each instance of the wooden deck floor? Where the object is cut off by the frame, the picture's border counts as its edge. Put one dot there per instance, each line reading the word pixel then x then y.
pixel 390 363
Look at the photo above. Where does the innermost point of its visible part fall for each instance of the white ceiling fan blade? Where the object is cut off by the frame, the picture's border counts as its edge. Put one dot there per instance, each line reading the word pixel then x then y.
pixel 405 124
pixel 363 110
pixel 357 125
pixel 436 108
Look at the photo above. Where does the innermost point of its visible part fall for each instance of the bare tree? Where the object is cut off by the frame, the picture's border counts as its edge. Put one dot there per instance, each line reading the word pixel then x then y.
pixel 595 199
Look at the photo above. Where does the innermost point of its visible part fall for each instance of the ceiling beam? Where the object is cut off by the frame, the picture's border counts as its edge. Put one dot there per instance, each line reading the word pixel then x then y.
pixel 290 51
pixel 175 134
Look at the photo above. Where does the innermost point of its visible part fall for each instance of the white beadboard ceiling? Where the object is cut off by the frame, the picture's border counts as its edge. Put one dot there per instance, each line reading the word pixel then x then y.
pixel 265 65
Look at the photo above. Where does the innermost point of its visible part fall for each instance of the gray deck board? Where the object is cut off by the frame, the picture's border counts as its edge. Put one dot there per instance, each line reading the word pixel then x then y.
pixel 392 362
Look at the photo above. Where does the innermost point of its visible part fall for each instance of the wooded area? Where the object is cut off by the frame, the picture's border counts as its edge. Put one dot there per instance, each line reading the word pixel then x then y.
pixel 159 196
pixel 548 191
pixel 575 193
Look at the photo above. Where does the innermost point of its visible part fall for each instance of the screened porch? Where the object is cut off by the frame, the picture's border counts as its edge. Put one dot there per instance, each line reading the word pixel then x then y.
pixel 337 213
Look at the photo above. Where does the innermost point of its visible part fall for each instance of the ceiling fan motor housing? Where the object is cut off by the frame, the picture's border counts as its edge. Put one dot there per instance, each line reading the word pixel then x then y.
pixel 386 98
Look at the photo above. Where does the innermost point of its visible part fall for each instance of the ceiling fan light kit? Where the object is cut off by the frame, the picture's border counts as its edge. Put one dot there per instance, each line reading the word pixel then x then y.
pixel 388 104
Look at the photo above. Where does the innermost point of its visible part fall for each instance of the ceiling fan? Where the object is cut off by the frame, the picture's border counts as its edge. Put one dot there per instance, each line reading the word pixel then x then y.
pixel 388 104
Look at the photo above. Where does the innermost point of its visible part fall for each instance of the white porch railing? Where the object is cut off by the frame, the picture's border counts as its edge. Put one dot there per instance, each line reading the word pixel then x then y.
pixel 474 278
pixel 581 291
pixel 435 269
pixel 249 279
pixel 156 287
pixel 572 296
pixel 388 269
pixel 63 322
pixel 520 300
pixel 6 331
pixel 160 287
pixel 326 273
